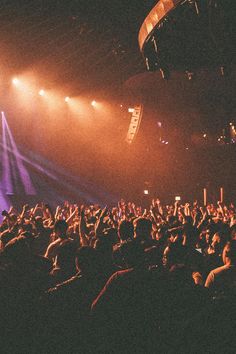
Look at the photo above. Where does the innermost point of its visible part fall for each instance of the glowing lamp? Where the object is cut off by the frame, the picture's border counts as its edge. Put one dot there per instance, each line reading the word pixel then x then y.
pixel 93 103
pixel 15 81
pixel 67 99
pixel 41 92
pixel 146 191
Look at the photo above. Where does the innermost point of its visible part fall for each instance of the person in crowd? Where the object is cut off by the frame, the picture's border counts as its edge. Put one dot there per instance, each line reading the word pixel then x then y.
pixel 65 265
pixel 112 278
pixel 60 229
pixel 223 279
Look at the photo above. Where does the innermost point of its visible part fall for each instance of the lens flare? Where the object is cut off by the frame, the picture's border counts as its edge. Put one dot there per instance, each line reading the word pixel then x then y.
pixel 41 92
pixel 15 81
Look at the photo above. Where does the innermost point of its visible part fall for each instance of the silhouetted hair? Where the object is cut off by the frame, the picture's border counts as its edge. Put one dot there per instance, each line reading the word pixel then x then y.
pixel 61 226
pixel 126 230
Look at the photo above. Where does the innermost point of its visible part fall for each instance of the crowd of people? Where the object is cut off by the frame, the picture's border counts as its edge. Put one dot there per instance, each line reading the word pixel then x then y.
pixel 125 279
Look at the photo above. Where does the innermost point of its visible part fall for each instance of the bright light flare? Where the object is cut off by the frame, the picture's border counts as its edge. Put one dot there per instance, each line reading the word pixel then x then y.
pixel 15 81
pixel 67 99
pixel 146 191
pixel 41 92
pixel 93 103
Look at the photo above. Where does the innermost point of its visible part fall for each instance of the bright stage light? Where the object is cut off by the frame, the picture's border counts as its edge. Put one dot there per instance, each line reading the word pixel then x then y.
pixel 130 110
pixel 93 103
pixel 67 99
pixel 146 191
pixel 41 92
pixel 15 81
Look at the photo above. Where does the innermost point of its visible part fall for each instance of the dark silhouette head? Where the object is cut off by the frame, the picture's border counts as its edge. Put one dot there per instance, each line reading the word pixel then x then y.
pixel 87 260
pixel 60 228
pixel 66 255
pixel 142 228
pixel 126 230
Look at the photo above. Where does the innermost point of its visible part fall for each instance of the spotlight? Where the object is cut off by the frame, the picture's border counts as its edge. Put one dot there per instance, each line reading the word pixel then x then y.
pixel 15 81
pixel 146 191
pixel 130 110
pixel 67 99
pixel 41 92
pixel 204 135
pixel 93 103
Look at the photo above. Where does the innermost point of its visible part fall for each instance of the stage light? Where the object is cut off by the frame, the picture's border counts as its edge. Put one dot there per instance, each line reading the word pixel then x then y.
pixel 146 191
pixel 130 110
pixel 41 92
pixel 67 99
pixel 15 81
pixel 204 135
pixel 93 103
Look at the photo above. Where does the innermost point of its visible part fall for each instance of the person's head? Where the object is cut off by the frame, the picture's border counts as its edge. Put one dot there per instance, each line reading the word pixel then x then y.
pixel 133 253
pixel 142 228
pixel 188 220
pixel 87 260
pixel 172 220
pixel 17 250
pixel 229 252
pixel 174 254
pixel 66 255
pixel 126 230
pixel 60 228
pixel 38 223
pixel 104 247
pixel 6 236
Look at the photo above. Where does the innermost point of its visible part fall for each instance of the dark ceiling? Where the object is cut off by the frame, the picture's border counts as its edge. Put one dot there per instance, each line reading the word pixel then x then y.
pixel 87 44
pixel 80 43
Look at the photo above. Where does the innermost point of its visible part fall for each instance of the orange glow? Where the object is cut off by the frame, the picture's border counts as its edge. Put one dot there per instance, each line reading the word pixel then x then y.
pixel 79 108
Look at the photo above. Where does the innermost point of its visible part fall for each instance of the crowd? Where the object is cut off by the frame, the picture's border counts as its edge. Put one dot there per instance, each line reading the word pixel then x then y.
pixel 86 279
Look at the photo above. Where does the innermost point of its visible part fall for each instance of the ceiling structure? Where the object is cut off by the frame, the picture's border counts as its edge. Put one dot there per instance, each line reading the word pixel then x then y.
pixel 83 44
